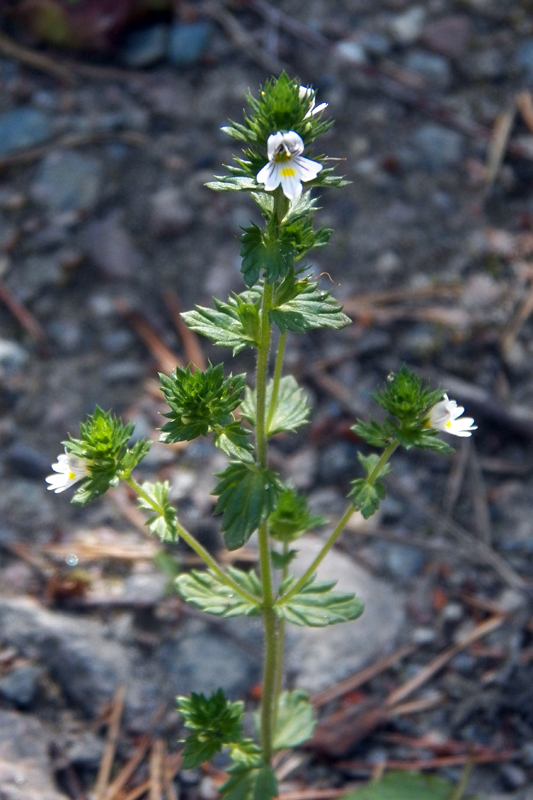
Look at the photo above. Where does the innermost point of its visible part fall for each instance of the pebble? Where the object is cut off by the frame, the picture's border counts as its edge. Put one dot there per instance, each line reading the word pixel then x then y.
pixel 513 776
pixel 68 181
pixel 354 644
pixel 145 47
pixel 336 461
pixel 448 35
pixel 188 42
pixel 523 58
pixel 485 65
pixel 126 371
pixel 13 357
pixel 170 214
pixel 23 128
pixel 350 52
pixel 405 28
pixel 112 248
pixel 375 44
pixel 20 685
pixel 34 275
pixel 434 68
pixel 438 147
pixel 403 560
pixel 24 460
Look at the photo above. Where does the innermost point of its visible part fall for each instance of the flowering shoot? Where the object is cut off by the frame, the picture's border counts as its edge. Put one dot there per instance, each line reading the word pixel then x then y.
pixel 69 470
pixel 286 165
pixel 444 416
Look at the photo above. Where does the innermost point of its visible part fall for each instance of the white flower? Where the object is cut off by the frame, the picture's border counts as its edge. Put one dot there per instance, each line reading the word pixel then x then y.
pixel 309 95
pixel 70 469
pixel 286 165
pixel 444 416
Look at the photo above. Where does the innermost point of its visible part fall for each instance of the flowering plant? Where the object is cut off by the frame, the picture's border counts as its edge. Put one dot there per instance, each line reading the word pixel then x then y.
pixel 252 497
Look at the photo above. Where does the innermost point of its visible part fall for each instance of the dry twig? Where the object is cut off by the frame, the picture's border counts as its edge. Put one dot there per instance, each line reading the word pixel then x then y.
pixel 21 314
pixel 108 757
pixel 191 344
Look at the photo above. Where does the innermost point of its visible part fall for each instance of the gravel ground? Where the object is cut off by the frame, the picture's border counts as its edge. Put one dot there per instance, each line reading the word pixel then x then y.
pixel 103 213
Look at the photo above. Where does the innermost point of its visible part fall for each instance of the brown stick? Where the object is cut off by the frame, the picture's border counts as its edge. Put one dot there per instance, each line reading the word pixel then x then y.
pixel 133 138
pixel 166 358
pixel 193 352
pixel 434 763
pixel 35 60
pixel 106 764
pixel 21 313
pixel 156 770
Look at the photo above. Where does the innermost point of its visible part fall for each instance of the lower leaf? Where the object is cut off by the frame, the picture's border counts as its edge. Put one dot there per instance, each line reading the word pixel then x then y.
pixel 258 783
pixel 316 606
pixel 295 721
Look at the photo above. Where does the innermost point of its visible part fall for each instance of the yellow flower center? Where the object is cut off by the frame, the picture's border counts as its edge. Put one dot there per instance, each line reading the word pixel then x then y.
pixel 71 475
pixel 448 424
pixel 288 172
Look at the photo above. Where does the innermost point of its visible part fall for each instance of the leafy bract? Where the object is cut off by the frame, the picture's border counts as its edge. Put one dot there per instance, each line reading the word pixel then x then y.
pixel 291 411
pixel 199 402
pixel 258 783
pixel 205 590
pixel 315 605
pixel 164 523
pixel 367 493
pixel 234 324
pixel 235 442
pixel 295 720
pixel 299 305
pixel 405 786
pixel 291 518
pixel 260 253
pixel 215 723
pixel 247 495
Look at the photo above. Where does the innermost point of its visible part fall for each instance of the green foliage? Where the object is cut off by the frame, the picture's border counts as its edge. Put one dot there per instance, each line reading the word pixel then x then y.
pixel 234 441
pixel 292 406
pixel 205 590
pixel 406 401
pixel 246 753
pixel 200 402
pixel 299 305
pixel 315 605
pixel 295 720
pixel 405 786
pixel 292 517
pixel 247 495
pixel 215 723
pixel 282 560
pixel 260 252
pixel 367 493
pixel 164 522
pixel 258 783
pixel 102 444
pixel 234 324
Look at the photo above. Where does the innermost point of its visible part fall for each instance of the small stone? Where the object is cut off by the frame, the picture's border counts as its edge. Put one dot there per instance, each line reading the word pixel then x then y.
pixel 20 685
pixel 22 128
pixel 403 560
pixel 376 44
pixel 123 372
pixel 111 247
pixel 68 181
pixel 523 59
pixel 434 68
pixel 448 35
pixel 34 275
pixel 13 358
pixel 26 461
pixel 485 65
pixel 388 263
pixel 514 777
pixel 145 47
pixel 336 461
pixel 438 147
pixel 350 52
pixel 170 215
pixel 406 27
pixel 188 42
pixel 423 636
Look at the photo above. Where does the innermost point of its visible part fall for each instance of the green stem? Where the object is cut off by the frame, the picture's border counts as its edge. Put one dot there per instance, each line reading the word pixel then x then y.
pixel 269 616
pixel 339 527
pixel 281 643
pixel 194 544
pixel 277 379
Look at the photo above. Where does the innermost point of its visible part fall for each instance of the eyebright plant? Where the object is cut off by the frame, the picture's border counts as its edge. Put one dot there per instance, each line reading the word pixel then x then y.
pixel 253 499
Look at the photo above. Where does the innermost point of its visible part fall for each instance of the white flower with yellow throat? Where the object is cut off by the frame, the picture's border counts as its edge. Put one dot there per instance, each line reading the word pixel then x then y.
pixel 286 165
pixel 69 470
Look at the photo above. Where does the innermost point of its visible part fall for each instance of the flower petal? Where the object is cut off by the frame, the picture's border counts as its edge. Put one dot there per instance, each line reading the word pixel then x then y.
pixel 270 176
pixel 290 182
pixel 273 142
pixel 307 169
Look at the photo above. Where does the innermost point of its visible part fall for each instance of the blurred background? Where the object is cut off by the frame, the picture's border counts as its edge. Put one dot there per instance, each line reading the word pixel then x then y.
pixel 110 118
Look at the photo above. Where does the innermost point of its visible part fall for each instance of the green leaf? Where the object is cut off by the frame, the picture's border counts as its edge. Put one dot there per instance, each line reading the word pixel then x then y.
pixel 316 606
pixel 235 442
pixel 247 495
pixel 261 253
pixel 282 560
pixel 295 721
pixel 205 590
pixel 215 722
pixel 230 183
pixel 163 524
pixel 199 402
pixel 291 518
pixel 224 325
pixel 366 497
pixel 404 396
pixel 308 308
pixel 246 753
pixel 404 786
pixel 292 407
pixel 258 783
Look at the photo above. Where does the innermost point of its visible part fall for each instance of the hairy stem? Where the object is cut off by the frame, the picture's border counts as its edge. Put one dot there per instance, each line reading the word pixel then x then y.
pixel 194 544
pixel 277 379
pixel 339 527
pixel 281 643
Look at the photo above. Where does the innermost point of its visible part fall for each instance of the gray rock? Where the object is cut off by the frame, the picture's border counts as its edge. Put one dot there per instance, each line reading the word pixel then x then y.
pixel 145 47
pixel 24 460
pixel 406 27
pixel 438 147
pixel 67 181
pixel 403 561
pixel 188 42
pixel 20 685
pixel 434 68
pixel 485 65
pixel 448 35
pixel 23 127
pixel 13 358
pixel 336 461
pixel 35 274
pixel 376 44
pixel 170 214
pixel 350 52
pixel 25 769
pixel 321 657
pixel 78 656
pixel 523 59
pixel 111 247
pixel 26 506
